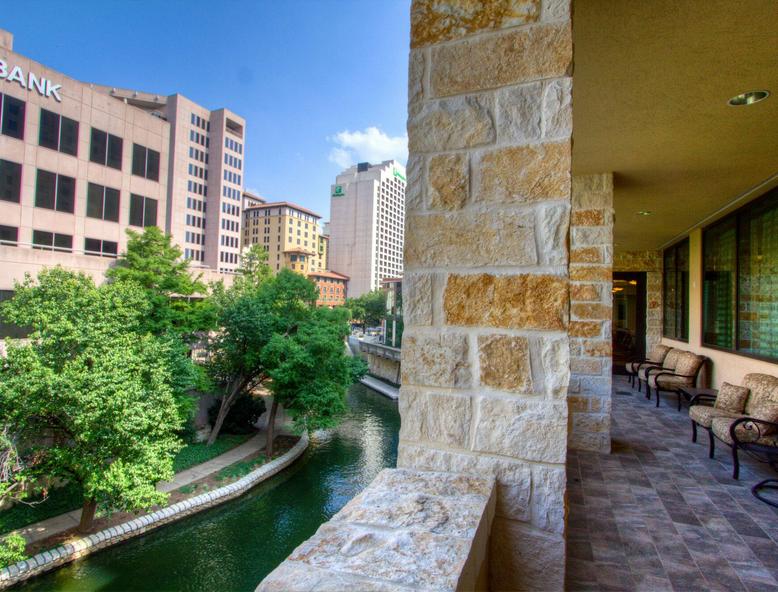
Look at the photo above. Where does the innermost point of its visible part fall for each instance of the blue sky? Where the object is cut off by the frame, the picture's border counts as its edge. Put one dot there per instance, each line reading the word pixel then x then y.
pixel 310 77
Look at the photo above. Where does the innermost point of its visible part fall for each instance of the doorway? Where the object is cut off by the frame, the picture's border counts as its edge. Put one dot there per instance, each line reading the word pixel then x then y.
pixel 629 318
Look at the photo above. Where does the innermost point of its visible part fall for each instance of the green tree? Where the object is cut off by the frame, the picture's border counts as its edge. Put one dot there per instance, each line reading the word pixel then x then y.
pixel 368 308
pixel 92 396
pixel 264 328
pixel 177 299
pixel 309 371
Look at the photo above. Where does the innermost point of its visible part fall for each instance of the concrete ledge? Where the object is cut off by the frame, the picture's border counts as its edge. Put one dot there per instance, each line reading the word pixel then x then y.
pixel 59 556
pixel 409 530
pixel 381 387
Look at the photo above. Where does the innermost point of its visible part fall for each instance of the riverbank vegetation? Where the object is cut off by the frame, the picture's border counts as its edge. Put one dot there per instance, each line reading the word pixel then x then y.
pixel 100 399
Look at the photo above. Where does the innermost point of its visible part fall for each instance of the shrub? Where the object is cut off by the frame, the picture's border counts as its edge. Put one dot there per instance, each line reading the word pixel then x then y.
pixel 242 416
pixel 12 549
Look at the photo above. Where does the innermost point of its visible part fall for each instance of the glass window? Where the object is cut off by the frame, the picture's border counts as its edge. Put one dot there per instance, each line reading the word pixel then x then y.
pixel 10 181
pixel 94 200
pixel 66 194
pixel 136 210
pixel 145 162
pixel 98 146
pixel 152 165
pixel 143 211
pixel 92 246
pixel 48 135
pixel 58 133
pixel 111 205
pixel 41 238
pixel 9 235
pixel 675 317
pixel 68 139
pixel 44 239
pixel 13 117
pixel 115 149
pixel 138 160
pixel 740 280
pixel 45 189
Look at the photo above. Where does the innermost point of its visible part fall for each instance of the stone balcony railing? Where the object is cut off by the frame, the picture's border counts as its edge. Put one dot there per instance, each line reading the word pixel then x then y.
pixel 409 530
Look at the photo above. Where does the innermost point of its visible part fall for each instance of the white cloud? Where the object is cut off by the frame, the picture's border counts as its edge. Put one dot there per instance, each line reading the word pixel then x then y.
pixel 371 145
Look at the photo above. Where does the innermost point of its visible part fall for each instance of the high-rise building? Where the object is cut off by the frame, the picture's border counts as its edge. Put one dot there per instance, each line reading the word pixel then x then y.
pixel 205 176
pixel 367 217
pixel 289 233
pixel 81 163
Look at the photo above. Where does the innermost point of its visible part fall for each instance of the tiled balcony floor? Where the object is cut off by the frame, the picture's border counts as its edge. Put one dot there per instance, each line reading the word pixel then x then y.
pixel 658 514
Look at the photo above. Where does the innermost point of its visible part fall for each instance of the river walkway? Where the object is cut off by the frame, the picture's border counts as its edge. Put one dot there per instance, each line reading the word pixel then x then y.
pixel 38 531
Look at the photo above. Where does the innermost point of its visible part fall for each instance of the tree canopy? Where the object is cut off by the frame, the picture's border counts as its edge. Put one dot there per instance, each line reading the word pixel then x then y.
pixel 157 265
pixel 92 398
pixel 368 308
pixel 272 335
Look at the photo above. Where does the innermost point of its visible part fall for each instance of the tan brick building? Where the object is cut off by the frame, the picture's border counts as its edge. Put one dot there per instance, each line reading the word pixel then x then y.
pixel 290 234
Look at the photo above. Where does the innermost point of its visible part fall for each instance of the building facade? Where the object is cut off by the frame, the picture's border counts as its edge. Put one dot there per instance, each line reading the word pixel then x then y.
pixel 367 220
pixel 332 288
pixel 289 233
pixel 81 163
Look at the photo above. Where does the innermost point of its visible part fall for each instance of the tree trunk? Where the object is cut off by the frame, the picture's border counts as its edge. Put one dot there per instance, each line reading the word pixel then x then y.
pixel 220 417
pixel 87 515
pixel 271 422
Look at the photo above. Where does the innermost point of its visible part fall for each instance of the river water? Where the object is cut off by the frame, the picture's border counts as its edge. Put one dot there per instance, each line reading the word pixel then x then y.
pixel 232 547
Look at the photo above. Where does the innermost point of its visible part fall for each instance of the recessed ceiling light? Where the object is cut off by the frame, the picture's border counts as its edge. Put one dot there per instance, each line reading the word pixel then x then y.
pixel 749 98
pixel 645 213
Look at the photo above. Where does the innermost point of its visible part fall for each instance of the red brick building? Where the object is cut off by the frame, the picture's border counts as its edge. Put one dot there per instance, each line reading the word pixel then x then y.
pixel 332 288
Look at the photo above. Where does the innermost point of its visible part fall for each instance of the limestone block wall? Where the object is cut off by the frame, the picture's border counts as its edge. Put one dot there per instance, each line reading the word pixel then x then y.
pixel 485 357
pixel 591 280
pixel 651 263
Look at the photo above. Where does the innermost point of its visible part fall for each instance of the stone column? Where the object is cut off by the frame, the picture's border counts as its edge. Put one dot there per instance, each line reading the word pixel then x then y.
pixel 591 281
pixel 485 360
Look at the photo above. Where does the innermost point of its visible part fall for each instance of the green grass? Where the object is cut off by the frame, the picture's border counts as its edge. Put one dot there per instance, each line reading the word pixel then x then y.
pixel 195 454
pixel 67 498
pixel 240 468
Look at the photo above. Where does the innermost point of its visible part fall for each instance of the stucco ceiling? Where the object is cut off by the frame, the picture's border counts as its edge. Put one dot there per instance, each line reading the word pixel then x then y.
pixel 650 89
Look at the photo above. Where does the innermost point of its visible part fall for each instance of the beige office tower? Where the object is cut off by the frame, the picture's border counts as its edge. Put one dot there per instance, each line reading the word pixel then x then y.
pixel 205 176
pixel 82 163
pixel 290 235
pixel 367 218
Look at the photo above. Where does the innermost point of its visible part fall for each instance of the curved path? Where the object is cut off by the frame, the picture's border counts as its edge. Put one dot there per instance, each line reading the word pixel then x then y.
pixel 37 531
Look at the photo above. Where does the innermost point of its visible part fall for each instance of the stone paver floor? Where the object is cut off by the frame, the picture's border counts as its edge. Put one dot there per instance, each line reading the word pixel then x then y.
pixel 658 514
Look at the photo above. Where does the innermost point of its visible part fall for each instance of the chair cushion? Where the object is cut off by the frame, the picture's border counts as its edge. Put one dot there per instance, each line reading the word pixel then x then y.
pixel 763 387
pixel 658 353
pixel 668 382
pixel 632 367
pixel 746 432
pixel 689 364
pixel 732 398
pixel 671 359
pixel 704 415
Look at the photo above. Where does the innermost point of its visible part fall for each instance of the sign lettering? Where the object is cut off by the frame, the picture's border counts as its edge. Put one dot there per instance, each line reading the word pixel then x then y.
pixel 43 86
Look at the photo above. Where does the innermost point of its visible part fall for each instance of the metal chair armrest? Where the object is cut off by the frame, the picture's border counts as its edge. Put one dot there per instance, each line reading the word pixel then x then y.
pixel 747 422
pixel 702 399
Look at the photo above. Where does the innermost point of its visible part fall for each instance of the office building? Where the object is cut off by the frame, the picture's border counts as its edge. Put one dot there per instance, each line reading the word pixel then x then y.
pixel 367 217
pixel 82 163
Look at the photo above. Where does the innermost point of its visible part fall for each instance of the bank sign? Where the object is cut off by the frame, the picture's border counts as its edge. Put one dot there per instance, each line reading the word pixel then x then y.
pixel 397 174
pixel 337 191
pixel 30 81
